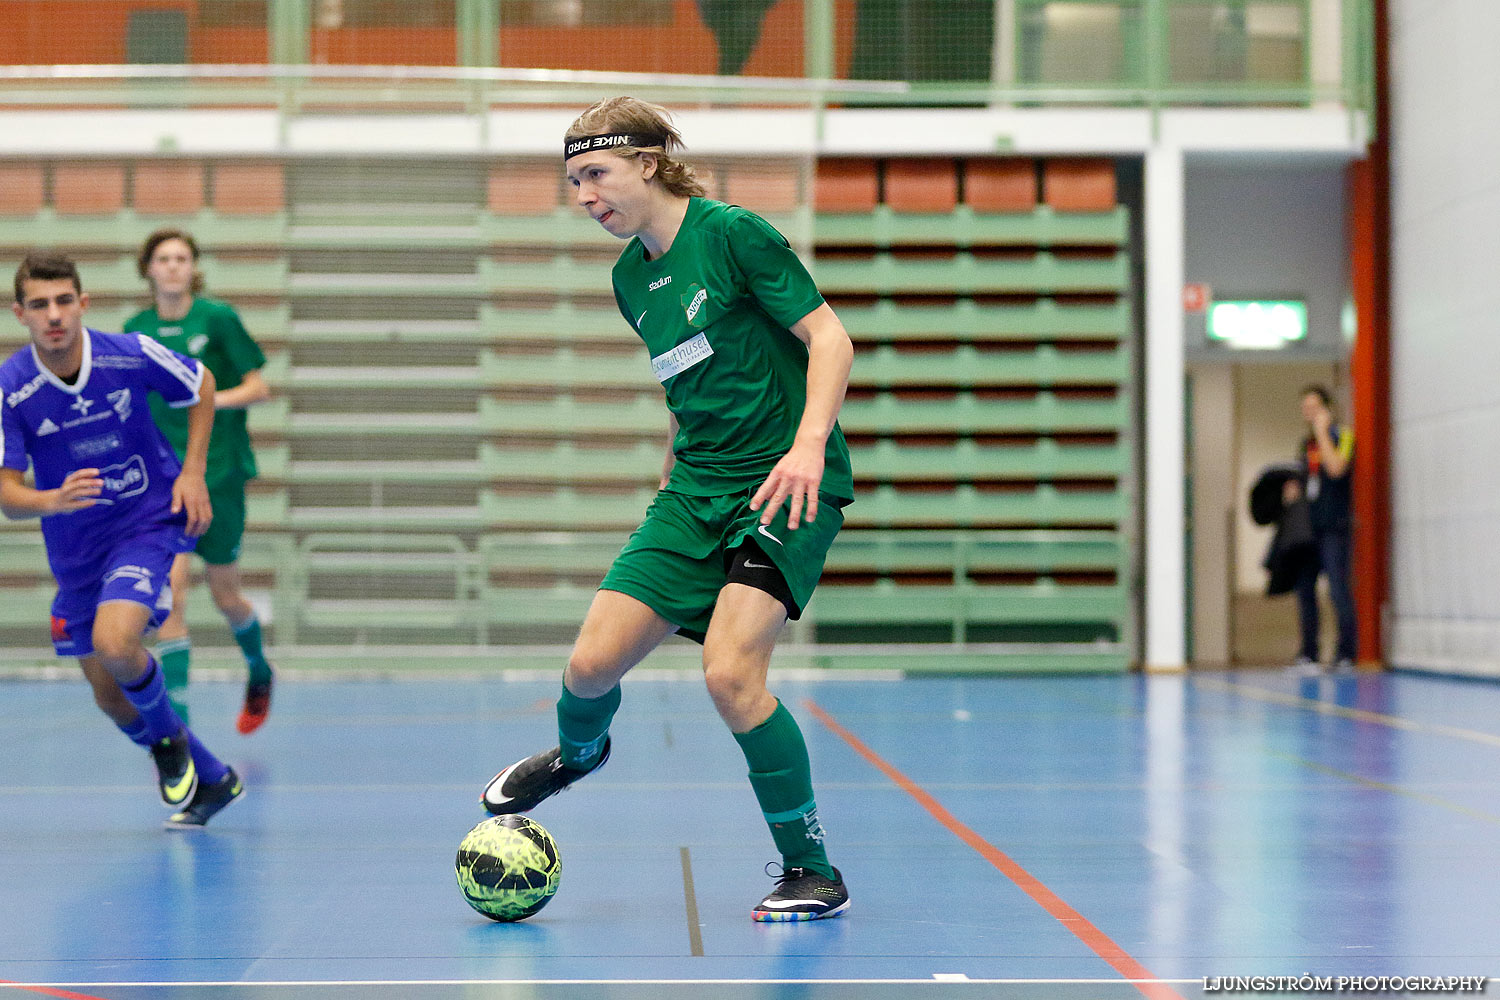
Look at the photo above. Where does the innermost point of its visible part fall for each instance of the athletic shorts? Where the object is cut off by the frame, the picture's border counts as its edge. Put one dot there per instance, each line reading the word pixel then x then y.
pixel 220 544
pixel 678 560
pixel 136 569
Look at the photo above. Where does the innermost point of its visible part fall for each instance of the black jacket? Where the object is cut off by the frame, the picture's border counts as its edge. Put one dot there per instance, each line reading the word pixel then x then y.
pixel 1293 546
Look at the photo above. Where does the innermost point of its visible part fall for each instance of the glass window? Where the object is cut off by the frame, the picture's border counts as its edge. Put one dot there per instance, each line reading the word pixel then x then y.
pixel 135 31
pixel 1078 42
pixel 384 32
pixel 1233 41
pixel 577 13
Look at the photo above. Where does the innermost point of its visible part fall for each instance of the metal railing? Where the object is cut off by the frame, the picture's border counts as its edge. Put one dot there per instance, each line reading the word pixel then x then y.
pixel 1131 55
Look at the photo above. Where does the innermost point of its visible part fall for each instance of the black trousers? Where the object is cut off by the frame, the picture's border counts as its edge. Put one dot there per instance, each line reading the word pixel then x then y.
pixel 1332 562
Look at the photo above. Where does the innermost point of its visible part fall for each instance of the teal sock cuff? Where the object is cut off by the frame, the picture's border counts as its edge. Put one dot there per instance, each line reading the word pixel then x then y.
pixel 790 814
pixel 247 635
pixel 175 657
pixel 583 724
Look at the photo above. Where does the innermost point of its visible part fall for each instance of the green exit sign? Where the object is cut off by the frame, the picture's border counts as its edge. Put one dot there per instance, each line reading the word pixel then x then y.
pixel 1257 325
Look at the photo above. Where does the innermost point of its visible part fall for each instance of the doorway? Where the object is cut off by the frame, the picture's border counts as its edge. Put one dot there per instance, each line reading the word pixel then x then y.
pixel 1244 416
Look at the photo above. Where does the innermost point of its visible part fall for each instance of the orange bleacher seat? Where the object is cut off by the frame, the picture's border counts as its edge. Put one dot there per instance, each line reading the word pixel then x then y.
pixel 764 187
pixel 846 186
pixel 88 188
pixel 1000 185
pixel 927 185
pixel 249 188
pixel 524 188
pixel 1079 185
pixel 21 188
pixel 168 188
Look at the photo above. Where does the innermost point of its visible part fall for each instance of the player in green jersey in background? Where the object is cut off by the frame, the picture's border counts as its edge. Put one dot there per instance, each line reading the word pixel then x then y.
pixel 754 365
pixel 210 331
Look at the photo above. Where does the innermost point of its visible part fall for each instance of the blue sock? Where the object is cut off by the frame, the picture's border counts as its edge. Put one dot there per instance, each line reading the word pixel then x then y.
pixel 136 732
pixel 210 768
pixel 149 696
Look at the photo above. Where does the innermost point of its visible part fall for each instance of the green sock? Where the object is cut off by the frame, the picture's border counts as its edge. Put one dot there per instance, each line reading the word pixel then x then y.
pixel 247 634
pixel 175 657
pixel 582 725
pixel 781 775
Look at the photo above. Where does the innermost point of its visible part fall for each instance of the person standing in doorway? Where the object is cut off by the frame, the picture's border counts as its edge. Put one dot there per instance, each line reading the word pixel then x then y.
pixel 1327 458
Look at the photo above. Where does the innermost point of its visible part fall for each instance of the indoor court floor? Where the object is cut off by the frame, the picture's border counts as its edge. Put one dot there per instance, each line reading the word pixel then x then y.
pixel 1095 836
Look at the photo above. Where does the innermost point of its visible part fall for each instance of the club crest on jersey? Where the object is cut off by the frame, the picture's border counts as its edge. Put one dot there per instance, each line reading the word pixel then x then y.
pixel 693 301
pixel 120 400
pixel 197 343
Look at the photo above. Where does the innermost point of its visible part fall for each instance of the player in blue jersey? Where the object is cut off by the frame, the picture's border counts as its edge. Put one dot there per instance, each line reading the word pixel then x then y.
pixel 116 509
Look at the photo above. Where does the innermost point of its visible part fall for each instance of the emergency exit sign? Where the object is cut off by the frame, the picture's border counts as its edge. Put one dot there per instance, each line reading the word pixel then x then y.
pixel 1257 325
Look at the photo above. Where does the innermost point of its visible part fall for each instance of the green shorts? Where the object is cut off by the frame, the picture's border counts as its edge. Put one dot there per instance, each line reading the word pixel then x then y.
pixel 220 544
pixel 677 561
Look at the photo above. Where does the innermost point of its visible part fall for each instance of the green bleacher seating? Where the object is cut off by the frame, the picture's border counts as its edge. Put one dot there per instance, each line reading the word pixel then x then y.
pixel 968 461
pixel 967 413
pixel 966 367
pixel 990 413
pixel 124 231
pixel 966 228
pixel 968 320
pixel 963 273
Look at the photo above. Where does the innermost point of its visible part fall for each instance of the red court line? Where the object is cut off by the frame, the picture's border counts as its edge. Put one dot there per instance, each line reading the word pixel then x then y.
pixel 48 991
pixel 1140 977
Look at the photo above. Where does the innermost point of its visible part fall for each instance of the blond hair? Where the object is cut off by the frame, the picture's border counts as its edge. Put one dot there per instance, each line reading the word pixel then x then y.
pixel 629 116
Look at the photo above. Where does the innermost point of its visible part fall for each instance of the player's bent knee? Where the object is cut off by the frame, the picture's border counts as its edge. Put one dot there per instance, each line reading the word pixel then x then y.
pixel 117 648
pixel 733 691
pixel 592 673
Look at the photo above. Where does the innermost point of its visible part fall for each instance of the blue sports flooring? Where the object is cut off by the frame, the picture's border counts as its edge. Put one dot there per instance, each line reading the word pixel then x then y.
pixel 1002 837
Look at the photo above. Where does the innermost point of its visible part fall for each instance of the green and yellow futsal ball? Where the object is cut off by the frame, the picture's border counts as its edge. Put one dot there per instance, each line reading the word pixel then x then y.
pixel 508 867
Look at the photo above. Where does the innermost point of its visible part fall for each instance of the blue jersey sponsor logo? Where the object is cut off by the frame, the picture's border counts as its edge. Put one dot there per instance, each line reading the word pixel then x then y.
pixel 91 448
pixel 125 480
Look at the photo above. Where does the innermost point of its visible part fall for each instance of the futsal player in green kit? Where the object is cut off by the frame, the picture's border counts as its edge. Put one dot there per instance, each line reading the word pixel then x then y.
pixel 754 365
pixel 210 331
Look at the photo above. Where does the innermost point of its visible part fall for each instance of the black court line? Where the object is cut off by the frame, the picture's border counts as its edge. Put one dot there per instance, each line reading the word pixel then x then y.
pixel 690 897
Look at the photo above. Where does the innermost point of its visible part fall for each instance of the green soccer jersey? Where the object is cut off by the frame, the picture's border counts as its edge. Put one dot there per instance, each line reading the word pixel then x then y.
pixel 715 312
pixel 211 332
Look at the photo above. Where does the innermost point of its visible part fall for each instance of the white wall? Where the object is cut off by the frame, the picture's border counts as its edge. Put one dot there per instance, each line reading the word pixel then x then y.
pixel 1445 319
pixel 1271 228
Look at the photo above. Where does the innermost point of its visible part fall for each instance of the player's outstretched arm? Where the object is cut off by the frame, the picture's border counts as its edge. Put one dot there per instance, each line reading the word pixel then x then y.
pixel 190 492
pixel 830 354
pixel 251 391
pixel 19 501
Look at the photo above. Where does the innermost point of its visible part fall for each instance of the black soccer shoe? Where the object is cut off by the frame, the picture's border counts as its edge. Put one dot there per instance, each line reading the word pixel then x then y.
pixel 176 777
pixel 522 786
pixel 207 802
pixel 803 894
